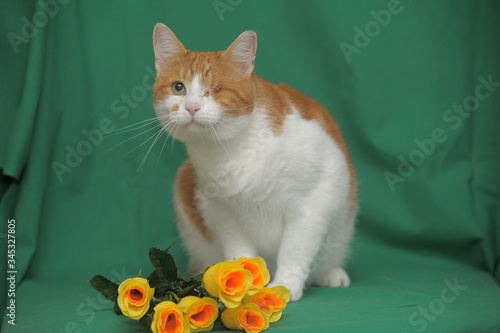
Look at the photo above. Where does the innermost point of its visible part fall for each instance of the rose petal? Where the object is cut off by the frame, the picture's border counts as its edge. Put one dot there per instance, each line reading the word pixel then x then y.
pixel 228 281
pixel 134 296
pixel 200 313
pixel 258 267
pixel 168 318
pixel 246 317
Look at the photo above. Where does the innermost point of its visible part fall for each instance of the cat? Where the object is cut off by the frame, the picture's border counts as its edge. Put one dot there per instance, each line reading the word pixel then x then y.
pixel 268 172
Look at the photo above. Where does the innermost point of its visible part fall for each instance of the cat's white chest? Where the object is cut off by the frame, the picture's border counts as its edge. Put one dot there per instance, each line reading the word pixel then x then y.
pixel 241 180
pixel 245 176
pixel 267 168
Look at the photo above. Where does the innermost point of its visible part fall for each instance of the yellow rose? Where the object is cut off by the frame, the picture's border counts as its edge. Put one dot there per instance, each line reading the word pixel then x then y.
pixel 272 301
pixel 228 281
pixel 168 318
pixel 134 296
pixel 257 266
pixel 248 317
pixel 200 313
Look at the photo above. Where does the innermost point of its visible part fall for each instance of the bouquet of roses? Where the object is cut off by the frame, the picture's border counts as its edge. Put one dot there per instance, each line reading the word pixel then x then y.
pixel 166 302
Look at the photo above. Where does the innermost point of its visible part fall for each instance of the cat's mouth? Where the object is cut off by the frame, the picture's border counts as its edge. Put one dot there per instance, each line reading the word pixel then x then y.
pixel 194 125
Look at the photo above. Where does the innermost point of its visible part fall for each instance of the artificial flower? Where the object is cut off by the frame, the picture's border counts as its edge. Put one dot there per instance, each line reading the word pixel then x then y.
pixel 134 296
pixel 200 313
pixel 169 318
pixel 248 317
pixel 271 300
pixel 228 281
pixel 257 266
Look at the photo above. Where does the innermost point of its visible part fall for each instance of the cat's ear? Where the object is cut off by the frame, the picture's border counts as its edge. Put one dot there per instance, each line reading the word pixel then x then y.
pixel 242 52
pixel 166 45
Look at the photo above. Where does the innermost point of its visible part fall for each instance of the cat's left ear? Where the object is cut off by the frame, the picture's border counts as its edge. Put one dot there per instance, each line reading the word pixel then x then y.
pixel 242 52
pixel 166 45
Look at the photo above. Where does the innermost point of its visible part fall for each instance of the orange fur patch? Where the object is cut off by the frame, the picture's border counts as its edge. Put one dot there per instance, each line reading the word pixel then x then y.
pixel 186 187
pixel 273 99
pixel 310 109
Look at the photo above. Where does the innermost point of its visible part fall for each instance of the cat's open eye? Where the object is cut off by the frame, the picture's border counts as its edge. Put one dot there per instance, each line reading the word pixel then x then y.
pixel 178 88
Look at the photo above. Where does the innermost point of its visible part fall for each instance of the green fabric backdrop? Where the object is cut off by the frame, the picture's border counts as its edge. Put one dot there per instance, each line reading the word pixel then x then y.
pixel 414 85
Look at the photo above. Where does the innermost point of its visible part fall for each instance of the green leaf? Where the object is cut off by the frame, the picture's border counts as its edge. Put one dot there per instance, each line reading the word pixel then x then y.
pixel 169 296
pixel 198 278
pixel 168 248
pixel 145 323
pixel 188 291
pixel 154 279
pixel 182 276
pixel 164 264
pixel 116 309
pixel 106 287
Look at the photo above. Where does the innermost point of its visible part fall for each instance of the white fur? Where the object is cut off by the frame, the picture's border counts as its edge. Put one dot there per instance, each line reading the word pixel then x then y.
pixel 283 196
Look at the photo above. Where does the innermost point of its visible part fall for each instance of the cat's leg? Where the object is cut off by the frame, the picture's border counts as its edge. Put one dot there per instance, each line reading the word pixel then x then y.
pixel 303 236
pixel 201 245
pixel 199 241
pixel 298 248
pixel 231 234
pixel 326 269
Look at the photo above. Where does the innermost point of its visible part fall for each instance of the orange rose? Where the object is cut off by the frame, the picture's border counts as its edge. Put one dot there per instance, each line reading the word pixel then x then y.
pixel 272 301
pixel 228 281
pixel 257 266
pixel 200 313
pixel 134 296
pixel 247 317
pixel 168 318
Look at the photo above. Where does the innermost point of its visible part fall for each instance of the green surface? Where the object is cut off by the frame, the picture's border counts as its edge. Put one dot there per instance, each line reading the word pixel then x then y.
pixel 88 68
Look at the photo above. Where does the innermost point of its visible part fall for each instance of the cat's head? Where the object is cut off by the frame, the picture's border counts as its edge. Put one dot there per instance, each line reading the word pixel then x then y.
pixel 203 95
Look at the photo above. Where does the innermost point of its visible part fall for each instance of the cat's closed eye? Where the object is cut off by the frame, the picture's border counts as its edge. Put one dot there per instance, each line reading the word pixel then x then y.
pixel 216 89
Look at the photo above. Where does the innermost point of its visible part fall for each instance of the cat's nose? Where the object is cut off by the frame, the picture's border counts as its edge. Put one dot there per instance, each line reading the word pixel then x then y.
pixel 192 108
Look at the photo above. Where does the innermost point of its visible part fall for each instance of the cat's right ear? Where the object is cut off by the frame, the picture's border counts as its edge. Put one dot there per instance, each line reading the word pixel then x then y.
pixel 166 45
pixel 242 52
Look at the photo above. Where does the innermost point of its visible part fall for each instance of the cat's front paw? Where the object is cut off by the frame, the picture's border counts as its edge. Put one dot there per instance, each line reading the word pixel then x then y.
pixel 336 277
pixel 296 289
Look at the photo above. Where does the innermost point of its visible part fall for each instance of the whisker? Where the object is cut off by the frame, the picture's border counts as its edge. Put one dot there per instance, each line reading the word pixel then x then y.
pixel 158 136
pixel 139 124
pixel 131 129
pixel 215 138
pixel 174 133
pixel 211 128
pixel 229 127
pixel 162 147
pixel 158 125
pixel 152 136
pixel 218 138
pixel 170 127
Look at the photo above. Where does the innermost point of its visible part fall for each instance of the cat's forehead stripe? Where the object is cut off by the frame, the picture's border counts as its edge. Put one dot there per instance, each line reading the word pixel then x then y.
pixel 197 64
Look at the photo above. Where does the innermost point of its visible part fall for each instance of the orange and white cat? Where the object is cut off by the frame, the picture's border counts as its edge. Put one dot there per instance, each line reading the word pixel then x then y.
pixel 268 171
